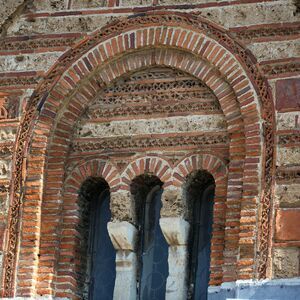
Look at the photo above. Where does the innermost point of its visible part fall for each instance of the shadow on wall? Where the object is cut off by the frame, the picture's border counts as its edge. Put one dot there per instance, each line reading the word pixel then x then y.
pixel 280 289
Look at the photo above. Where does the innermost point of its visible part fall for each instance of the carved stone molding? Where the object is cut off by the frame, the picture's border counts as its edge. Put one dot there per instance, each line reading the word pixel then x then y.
pixel 289 139
pixel 12 44
pixel 288 175
pixel 103 112
pixel 267 31
pixel 17 80
pixel 273 69
pixel 147 142
pixel 6 149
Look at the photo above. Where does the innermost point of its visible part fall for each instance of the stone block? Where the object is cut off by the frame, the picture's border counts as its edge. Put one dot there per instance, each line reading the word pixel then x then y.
pixel 285 262
pixel 288 156
pixel 288 224
pixel 288 94
pixel 288 195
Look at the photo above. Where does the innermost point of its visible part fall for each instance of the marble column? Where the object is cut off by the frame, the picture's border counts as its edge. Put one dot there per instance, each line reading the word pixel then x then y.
pixel 176 232
pixel 123 236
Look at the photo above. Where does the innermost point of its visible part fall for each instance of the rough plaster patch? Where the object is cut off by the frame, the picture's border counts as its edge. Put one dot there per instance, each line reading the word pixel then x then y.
pixel 7 8
pixel 153 126
pixel 59 24
pixel 275 50
pixel 88 3
pixel 5 169
pixel 3 205
pixel 228 16
pixel 121 206
pixel 173 204
pixel 285 262
pixel 288 195
pixel 136 2
pixel 50 5
pixel 288 156
pixel 287 120
pixel 28 62
pixel 251 14
pixel 7 134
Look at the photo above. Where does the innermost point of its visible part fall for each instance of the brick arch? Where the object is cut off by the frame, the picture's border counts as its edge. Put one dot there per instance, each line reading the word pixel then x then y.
pixel 154 165
pixel 92 168
pixel 181 31
pixel 67 249
pixel 214 165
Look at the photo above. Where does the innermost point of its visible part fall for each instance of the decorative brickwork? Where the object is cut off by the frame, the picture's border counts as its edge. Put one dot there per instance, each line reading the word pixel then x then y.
pixel 185 43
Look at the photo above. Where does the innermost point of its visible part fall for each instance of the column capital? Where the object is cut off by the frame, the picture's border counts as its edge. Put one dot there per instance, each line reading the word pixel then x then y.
pixel 123 235
pixel 175 230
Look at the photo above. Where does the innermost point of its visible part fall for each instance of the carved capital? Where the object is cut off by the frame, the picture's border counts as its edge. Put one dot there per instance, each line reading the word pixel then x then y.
pixel 173 204
pixel 123 235
pixel 121 206
pixel 175 230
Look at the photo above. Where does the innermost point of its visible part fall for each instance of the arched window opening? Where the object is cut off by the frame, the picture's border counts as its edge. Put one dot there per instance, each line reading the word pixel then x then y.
pixel 152 246
pixel 200 188
pixel 97 271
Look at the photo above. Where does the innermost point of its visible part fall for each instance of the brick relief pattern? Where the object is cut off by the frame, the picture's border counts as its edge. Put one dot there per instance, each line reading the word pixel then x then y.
pixel 82 68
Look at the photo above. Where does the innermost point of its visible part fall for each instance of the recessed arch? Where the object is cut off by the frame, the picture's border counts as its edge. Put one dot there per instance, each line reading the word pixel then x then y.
pixel 125 36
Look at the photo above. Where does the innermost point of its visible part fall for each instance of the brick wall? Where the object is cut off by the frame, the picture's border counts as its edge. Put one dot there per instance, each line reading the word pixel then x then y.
pixel 83 81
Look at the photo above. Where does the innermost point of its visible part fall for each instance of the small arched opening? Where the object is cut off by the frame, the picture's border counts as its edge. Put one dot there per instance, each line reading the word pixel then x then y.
pixel 152 246
pixel 97 270
pixel 200 190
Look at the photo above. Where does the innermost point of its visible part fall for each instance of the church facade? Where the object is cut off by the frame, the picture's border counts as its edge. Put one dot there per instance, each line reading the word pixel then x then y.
pixel 150 149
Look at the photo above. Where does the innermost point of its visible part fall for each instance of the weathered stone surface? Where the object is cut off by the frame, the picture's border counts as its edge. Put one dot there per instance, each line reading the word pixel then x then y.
pixel 28 62
pixel 288 224
pixel 123 235
pixel 289 120
pixel 285 262
pixel 7 8
pixel 7 134
pixel 173 205
pixel 5 167
pixel 276 50
pixel 175 230
pixel 88 3
pixel 251 14
pixel 153 126
pixel 58 25
pixel 288 195
pixel 132 3
pixel 50 5
pixel 288 156
pixel 121 206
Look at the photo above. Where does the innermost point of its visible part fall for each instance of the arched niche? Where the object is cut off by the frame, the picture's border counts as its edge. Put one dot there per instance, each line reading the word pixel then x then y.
pixel 208 54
